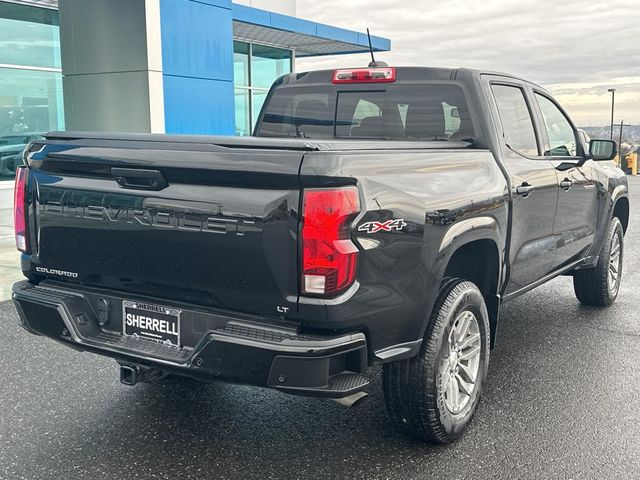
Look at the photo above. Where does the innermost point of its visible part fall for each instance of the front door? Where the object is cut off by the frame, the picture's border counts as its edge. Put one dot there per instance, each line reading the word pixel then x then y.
pixel 578 200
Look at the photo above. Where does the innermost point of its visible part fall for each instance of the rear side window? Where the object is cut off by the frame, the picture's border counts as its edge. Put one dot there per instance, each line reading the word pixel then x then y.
pixel 515 117
pixel 396 112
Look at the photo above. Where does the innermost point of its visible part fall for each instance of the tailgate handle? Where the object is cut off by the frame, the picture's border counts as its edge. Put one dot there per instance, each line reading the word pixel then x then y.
pixel 139 179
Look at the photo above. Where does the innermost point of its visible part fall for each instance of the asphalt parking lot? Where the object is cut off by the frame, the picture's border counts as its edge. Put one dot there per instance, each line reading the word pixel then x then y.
pixel 562 402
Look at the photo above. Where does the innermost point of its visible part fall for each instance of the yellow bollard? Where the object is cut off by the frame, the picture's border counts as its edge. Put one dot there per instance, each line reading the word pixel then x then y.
pixel 632 163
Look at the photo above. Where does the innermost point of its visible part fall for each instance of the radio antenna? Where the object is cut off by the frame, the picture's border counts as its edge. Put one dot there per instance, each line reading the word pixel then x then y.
pixel 373 63
pixel 373 60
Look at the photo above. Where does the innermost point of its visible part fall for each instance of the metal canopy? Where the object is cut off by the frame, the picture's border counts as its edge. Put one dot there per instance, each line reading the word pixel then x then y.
pixel 53 4
pixel 305 37
pixel 304 45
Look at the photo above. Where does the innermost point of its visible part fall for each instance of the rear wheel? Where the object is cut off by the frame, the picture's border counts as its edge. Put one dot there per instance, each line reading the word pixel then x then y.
pixel 434 395
pixel 599 286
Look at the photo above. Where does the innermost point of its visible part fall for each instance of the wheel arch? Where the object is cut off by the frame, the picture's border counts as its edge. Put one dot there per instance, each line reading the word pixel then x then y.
pixel 621 211
pixel 477 261
pixel 471 250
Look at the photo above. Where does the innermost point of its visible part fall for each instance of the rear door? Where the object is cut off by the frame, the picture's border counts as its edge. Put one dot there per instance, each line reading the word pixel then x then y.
pixel 534 187
pixel 578 202
pixel 219 229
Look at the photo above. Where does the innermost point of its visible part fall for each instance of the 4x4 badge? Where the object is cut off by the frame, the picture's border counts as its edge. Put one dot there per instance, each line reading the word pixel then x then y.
pixel 388 226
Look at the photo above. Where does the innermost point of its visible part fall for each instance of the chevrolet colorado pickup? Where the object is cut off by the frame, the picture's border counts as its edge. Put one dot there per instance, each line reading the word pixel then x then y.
pixel 376 216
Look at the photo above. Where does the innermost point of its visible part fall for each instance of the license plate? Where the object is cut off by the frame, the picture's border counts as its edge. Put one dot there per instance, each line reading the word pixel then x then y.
pixel 153 322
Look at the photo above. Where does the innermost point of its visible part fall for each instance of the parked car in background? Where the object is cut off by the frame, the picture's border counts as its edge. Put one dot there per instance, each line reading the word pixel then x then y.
pixel 11 147
pixel 378 216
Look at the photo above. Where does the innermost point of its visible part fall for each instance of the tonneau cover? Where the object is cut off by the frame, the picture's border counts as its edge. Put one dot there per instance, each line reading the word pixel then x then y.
pixel 268 143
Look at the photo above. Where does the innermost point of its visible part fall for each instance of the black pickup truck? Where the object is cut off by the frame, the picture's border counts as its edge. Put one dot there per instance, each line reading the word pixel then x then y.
pixel 377 216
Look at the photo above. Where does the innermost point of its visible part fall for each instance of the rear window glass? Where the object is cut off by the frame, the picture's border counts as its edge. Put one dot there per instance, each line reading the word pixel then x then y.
pixel 395 112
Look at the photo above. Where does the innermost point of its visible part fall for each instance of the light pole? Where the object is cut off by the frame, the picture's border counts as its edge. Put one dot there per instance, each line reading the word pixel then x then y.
pixel 613 99
pixel 620 142
pixel 620 164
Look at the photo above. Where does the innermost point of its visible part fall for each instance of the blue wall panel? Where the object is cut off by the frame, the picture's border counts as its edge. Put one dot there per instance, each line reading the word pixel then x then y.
pixel 339 34
pixel 197 39
pixel 197 63
pixel 293 24
pixel 246 14
pixel 378 43
pixel 198 106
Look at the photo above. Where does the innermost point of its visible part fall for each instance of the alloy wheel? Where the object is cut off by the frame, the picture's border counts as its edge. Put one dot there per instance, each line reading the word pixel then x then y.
pixel 461 362
pixel 615 264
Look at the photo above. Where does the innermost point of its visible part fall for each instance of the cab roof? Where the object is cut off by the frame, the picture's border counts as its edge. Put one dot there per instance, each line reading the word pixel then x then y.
pixel 403 74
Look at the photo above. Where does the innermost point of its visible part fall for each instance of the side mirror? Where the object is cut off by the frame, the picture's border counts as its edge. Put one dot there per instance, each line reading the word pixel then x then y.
pixel 602 150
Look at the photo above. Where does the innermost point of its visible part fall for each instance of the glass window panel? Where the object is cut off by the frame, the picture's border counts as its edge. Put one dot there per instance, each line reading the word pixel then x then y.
pixel 299 112
pixel 360 114
pixel 559 130
pixel 516 119
pixel 241 64
pixel 29 36
pixel 267 64
pixel 415 112
pixel 451 119
pixel 241 97
pixel 30 104
pixel 257 100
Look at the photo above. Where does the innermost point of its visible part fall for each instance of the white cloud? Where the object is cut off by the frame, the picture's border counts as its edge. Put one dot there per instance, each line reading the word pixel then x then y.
pixel 575 48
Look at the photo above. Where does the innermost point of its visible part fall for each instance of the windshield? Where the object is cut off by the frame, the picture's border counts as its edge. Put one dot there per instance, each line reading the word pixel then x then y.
pixel 393 112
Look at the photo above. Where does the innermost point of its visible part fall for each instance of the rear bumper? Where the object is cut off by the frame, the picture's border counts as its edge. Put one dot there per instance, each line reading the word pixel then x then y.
pixel 218 347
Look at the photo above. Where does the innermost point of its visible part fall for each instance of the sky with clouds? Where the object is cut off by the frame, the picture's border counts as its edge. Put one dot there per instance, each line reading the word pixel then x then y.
pixel 577 49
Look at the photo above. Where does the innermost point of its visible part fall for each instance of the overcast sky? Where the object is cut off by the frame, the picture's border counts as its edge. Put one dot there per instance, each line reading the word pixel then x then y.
pixel 577 49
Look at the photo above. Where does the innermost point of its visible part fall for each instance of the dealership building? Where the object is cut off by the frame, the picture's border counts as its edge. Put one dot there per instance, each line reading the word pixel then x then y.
pixel 159 66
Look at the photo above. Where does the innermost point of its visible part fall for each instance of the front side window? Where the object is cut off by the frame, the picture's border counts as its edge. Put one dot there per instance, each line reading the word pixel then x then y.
pixel 516 120
pixel 562 138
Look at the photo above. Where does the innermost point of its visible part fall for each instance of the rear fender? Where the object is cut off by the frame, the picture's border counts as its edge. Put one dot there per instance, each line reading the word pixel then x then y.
pixel 463 233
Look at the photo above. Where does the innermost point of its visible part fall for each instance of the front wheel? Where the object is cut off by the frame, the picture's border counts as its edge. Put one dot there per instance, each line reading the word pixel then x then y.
pixel 599 285
pixel 434 395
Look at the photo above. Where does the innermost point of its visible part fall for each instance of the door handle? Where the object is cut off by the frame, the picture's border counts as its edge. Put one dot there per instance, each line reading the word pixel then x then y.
pixel 566 184
pixel 140 179
pixel 524 190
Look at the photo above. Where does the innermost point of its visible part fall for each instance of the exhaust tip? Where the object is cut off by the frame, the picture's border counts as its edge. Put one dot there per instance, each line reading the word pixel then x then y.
pixel 351 400
pixel 128 375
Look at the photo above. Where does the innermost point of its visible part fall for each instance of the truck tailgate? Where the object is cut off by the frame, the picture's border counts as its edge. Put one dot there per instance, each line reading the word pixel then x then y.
pixel 217 228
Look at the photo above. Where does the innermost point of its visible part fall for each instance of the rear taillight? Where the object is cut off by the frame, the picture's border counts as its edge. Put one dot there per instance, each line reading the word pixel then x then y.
pixel 365 75
pixel 328 254
pixel 20 210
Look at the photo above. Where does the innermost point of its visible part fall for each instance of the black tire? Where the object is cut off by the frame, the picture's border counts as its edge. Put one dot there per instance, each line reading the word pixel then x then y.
pixel 413 389
pixel 592 285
